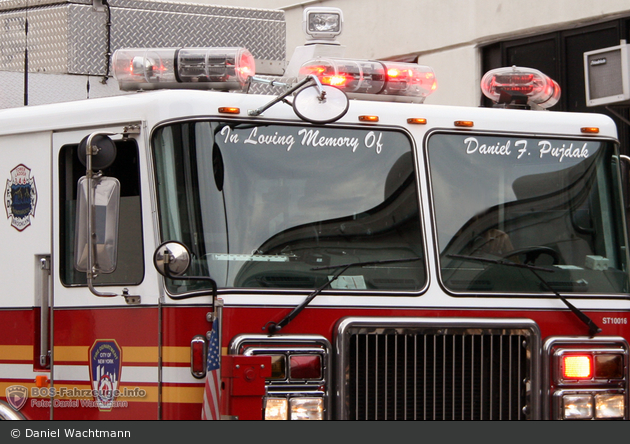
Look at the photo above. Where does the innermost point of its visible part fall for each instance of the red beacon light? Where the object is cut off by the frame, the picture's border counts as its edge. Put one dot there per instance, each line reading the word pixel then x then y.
pixel 376 80
pixel 183 68
pixel 518 86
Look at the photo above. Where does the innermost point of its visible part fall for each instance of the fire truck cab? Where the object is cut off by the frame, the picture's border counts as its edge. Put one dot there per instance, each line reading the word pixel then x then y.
pixel 336 249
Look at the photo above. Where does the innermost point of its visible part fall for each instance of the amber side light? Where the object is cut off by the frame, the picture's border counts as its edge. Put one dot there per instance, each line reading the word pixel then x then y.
pixel 229 110
pixel 368 118
pixel 464 123
pixel 417 121
pixel 589 130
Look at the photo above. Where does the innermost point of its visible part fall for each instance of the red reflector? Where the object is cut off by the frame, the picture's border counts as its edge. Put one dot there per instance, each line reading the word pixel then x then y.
pixel 198 356
pixel 306 367
pixel 577 367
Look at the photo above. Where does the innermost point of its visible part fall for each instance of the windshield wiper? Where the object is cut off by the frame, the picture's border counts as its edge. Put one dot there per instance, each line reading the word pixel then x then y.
pixel 274 327
pixel 593 329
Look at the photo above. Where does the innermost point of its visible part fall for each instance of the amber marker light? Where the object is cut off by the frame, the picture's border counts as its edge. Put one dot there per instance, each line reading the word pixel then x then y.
pixel 41 381
pixel 464 123
pixel 589 130
pixel 417 121
pixel 577 367
pixel 229 110
pixel 368 119
pixel 609 366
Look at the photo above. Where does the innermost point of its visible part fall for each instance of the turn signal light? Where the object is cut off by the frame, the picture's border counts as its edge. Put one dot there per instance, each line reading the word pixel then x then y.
pixel 609 366
pixel 278 367
pixel 577 366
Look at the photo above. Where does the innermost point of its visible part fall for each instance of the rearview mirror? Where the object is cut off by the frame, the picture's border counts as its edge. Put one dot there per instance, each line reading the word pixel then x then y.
pixel 171 259
pixel 104 244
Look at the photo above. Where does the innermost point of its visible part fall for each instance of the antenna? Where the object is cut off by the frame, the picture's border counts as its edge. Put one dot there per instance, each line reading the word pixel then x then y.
pixel 26 55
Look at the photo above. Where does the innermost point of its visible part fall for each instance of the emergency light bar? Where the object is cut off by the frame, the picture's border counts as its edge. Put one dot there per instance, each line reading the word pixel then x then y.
pixel 518 85
pixel 380 79
pixel 192 68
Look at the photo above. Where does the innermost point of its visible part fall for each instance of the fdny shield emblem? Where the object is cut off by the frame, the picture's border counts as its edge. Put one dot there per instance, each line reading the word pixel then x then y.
pixel 20 197
pixel 17 395
pixel 105 369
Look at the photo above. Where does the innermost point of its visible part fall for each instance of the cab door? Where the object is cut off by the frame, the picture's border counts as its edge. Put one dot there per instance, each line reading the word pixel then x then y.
pixel 25 293
pixel 105 342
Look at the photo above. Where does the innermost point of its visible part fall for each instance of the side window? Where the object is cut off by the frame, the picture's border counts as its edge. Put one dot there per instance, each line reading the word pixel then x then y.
pixel 130 263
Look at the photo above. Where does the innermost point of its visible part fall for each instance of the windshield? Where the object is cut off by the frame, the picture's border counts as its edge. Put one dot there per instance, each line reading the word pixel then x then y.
pixel 264 206
pixel 546 202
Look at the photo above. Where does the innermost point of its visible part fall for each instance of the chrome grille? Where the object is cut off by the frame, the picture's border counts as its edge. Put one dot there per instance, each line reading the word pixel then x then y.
pixel 437 369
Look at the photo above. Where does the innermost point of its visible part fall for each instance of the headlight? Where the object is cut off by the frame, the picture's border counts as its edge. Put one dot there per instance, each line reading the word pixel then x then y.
pixel 609 406
pixel 276 409
pixel 297 408
pixel 577 406
pixel 307 408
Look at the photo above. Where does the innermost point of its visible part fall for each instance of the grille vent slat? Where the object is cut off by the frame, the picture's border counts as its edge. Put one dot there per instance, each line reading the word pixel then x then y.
pixel 433 374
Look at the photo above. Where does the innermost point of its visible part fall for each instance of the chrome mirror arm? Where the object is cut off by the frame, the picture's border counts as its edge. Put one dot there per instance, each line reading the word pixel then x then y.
pixel 282 97
pixel 91 185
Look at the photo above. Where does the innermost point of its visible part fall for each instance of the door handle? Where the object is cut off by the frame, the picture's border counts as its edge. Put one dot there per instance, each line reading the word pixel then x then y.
pixel 45 292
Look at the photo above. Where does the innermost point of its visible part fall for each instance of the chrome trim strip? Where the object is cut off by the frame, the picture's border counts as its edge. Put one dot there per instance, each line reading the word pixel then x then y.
pixel 7 413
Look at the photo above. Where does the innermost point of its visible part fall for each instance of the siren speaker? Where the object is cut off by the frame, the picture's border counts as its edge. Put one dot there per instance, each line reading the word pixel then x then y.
pixel 606 76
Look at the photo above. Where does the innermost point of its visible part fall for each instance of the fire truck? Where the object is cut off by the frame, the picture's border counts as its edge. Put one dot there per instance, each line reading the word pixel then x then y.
pixel 334 250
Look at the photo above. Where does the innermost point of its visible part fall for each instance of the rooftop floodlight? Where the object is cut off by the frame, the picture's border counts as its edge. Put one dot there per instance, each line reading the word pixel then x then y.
pixel 322 25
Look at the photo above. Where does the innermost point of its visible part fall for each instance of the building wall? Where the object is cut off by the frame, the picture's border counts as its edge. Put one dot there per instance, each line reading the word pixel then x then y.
pixel 446 35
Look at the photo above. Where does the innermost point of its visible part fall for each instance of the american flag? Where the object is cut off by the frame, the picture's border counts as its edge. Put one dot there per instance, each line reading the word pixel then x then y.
pixel 211 399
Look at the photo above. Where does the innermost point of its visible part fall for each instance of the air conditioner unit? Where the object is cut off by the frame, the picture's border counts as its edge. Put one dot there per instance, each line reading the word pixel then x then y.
pixel 606 75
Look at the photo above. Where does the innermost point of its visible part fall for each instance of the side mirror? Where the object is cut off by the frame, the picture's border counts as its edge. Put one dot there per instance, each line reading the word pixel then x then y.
pixel 104 217
pixel 98 201
pixel 102 153
pixel 171 259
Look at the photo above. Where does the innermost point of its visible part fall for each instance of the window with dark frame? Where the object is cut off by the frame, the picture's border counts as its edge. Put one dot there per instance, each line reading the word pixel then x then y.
pixel 130 264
